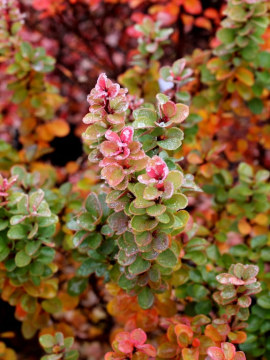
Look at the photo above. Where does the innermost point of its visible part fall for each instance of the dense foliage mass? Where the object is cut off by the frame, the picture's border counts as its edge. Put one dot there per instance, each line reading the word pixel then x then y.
pixel 134 179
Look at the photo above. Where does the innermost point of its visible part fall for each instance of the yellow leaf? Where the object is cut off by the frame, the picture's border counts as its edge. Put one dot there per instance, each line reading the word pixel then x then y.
pixel 261 219
pixel 245 76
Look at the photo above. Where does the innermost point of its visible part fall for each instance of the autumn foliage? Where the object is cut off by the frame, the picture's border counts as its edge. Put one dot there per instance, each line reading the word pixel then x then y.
pixel 134 179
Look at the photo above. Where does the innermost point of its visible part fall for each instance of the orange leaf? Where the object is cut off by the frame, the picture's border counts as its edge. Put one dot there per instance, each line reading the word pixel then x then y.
pixel 193 7
pixel 242 145
pixel 44 133
pixel 72 167
pixel 194 158
pixel 59 128
pixel 237 337
pixel 213 333
pixel 204 23
pixel 211 13
pixel 244 227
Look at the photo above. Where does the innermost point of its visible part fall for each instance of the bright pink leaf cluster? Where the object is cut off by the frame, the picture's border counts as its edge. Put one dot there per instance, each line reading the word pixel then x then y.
pixel 108 102
pixel 156 172
pixel 226 352
pixel 126 345
pixel 122 156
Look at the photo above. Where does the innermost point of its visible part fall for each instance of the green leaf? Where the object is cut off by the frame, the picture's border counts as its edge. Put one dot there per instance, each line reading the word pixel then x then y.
pixel 173 139
pixel 245 170
pixel 203 307
pixel 22 259
pixel 165 72
pixel 176 202
pixel 47 341
pixel 93 206
pixel 264 301
pixel 143 238
pixel 72 355
pixel 4 252
pixel 35 199
pixel 26 49
pixel 32 247
pixel 197 291
pixel 258 241
pixel 87 268
pixel 52 306
pixel 151 193
pixel 176 178
pixel 144 118
pixel 139 266
pixel 198 257
pixel 142 223
pixel 12 69
pixel 146 298
pixel 226 36
pixel 36 268
pixel 86 221
pixel 125 283
pixel 46 255
pixel 239 250
pixel 28 303
pixel 183 96
pixel 255 105
pixel 93 240
pixel 156 210
pixel 162 98
pixel 19 95
pixel 265 254
pixel 128 244
pixel 76 286
pixel 167 258
pixel 17 232
pixel 264 59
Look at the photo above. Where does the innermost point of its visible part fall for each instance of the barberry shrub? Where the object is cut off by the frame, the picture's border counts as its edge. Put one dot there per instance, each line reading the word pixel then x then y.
pixel 153 243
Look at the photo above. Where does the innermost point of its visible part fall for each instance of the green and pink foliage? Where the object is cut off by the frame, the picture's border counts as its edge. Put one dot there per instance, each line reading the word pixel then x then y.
pixel 237 285
pixel 58 347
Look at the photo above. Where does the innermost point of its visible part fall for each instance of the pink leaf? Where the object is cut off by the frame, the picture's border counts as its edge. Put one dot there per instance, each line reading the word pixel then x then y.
pixel 240 355
pixel 215 353
pixel 182 112
pixel 138 337
pixel 112 136
pixel 227 279
pixel 125 154
pixel 101 82
pixel 228 350
pixel 169 109
pixel 157 168
pixel 148 349
pixel 113 90
pixel 125 346
pixel 109 148
pixel 126 135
